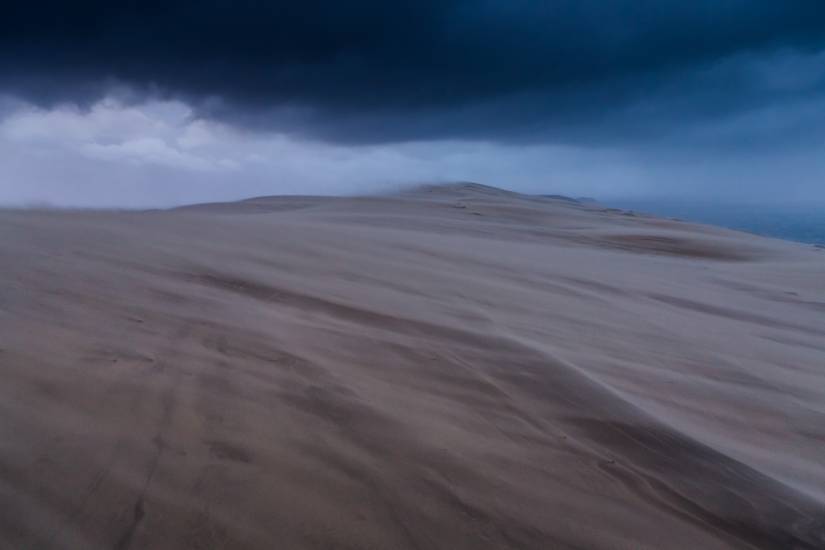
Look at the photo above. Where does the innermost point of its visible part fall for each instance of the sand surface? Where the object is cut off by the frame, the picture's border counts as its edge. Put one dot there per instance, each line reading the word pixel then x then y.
pixel 453 368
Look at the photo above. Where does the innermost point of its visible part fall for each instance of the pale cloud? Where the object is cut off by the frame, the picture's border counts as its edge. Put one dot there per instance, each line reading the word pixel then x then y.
pixel 161 133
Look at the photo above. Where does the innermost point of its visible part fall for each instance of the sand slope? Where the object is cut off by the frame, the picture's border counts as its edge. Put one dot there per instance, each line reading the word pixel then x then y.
pixel 455 367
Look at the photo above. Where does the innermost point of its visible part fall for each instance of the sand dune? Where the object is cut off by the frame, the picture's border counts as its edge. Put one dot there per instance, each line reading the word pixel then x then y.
pixel 453 367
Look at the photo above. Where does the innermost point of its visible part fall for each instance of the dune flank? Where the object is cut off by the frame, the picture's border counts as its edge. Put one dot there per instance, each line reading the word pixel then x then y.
pixel 452 367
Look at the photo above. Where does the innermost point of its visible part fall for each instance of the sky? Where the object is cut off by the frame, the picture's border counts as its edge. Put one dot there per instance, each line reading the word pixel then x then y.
pixel 157 103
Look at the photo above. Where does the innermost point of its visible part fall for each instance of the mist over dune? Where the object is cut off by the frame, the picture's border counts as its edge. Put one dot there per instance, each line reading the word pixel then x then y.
pixel 452 366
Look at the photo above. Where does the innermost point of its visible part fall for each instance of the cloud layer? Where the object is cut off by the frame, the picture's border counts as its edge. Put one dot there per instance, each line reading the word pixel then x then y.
pixel 157 103
pixel 376 71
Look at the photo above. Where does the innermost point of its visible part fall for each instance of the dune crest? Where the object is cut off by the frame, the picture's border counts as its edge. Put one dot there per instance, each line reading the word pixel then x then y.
pixel 452 366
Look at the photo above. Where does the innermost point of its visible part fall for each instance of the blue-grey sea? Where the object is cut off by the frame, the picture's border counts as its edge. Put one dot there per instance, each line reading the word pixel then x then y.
pixel 803 223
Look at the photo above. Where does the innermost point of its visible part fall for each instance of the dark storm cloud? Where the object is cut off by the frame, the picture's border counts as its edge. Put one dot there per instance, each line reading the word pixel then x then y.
pixel 374 70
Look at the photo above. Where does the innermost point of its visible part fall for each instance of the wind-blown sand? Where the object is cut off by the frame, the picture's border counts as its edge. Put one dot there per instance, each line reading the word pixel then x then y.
pixel 456 367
